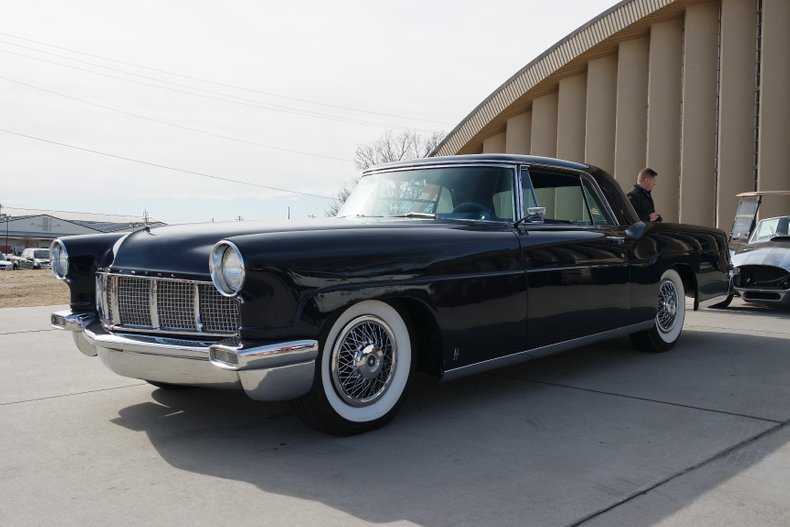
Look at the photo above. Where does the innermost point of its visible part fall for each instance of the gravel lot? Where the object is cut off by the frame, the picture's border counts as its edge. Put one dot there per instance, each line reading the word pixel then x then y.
pixel 29 287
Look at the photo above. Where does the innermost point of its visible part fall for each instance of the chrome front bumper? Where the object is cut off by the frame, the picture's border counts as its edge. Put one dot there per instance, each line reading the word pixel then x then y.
pixel 274 372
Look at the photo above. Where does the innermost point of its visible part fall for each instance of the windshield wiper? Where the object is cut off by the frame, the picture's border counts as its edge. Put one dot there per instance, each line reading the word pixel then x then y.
pixel 416 215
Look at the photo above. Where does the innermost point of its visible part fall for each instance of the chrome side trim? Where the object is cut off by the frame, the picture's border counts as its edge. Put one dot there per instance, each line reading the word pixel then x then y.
pixel 534 353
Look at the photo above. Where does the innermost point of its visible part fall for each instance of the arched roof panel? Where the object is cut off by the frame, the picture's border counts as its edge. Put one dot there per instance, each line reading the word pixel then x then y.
pixel 628 19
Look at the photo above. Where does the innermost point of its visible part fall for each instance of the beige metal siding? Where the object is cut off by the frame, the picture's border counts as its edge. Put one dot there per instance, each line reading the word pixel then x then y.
pixel 699 94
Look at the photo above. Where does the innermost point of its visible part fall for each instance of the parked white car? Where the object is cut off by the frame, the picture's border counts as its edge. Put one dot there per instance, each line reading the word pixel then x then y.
pixel 33 258
pixel 6 264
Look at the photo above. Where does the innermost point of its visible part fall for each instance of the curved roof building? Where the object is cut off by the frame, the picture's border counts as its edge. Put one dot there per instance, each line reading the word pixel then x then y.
pixel 698 90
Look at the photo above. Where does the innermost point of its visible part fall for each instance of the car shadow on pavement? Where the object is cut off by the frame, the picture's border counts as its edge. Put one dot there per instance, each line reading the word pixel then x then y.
pixel 597 426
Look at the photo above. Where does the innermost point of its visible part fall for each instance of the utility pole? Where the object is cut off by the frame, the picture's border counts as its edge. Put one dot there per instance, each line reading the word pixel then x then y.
pixel 6 226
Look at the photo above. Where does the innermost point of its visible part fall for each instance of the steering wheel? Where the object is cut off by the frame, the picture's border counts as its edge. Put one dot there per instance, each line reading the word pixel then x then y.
pixel 483 212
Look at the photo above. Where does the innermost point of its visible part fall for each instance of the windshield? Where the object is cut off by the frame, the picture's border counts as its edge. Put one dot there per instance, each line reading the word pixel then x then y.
pixel 770 228
pixel 462 192
pixel 41 254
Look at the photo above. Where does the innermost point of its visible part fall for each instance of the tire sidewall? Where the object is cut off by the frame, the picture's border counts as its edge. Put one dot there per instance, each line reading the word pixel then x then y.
pixel 389 402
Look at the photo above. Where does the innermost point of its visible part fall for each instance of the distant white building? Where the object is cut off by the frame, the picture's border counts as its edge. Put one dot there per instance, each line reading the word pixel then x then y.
pixel 37 228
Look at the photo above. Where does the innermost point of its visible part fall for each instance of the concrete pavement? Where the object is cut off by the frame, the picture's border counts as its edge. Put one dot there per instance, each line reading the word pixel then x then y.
pixel 601 435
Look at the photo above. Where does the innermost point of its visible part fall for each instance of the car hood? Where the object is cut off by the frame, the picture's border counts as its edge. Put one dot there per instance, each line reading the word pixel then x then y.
pixel 776 254
pixel 183 250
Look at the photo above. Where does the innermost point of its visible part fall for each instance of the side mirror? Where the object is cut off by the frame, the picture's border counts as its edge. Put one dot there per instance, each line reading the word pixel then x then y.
pixel 637 230
pixel 535 214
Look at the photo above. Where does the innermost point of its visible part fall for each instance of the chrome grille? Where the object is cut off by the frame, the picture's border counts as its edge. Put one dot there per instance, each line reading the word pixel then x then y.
pixel 176 305
pixel 212 311
pixel 165 305
pixel 133 302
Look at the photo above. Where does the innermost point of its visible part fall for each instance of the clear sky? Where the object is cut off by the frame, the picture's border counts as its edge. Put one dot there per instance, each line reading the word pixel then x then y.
pixel 159 106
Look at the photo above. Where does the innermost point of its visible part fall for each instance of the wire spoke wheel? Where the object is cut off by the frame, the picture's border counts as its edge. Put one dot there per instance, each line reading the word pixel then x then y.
pixel 667 306
pixel 669 318
pixel 364 360
pixel 362 372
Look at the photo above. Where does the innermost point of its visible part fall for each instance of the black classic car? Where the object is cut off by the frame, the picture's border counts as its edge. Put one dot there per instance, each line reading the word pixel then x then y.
pixel 761 253
pixel 447 266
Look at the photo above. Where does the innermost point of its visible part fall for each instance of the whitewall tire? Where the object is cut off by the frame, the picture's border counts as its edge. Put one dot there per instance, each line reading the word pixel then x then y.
pixel 362 372
pixel 670 316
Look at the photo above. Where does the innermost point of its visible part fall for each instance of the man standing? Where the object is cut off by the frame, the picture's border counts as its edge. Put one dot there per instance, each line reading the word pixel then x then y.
pixel 640 197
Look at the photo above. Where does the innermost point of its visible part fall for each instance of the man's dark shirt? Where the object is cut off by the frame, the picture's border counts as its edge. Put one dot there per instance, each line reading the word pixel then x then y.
pixel 642 202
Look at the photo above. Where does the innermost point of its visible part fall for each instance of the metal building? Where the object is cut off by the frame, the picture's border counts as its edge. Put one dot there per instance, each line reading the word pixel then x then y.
pixel 698 90
pixel 37 228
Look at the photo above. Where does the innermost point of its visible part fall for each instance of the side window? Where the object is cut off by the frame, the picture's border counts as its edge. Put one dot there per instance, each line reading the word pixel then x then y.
pixel 771 227
pixel 567 198
pixel 597 209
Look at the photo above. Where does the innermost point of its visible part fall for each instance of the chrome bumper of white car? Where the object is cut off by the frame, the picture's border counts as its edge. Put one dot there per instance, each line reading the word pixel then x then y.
pixel 764 295
pixel 273 372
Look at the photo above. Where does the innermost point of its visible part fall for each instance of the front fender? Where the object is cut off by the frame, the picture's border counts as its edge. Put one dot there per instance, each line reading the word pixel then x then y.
pixel 87 252
pixel 306 277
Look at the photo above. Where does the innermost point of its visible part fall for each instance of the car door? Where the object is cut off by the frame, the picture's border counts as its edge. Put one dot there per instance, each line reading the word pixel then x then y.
pixel 575 257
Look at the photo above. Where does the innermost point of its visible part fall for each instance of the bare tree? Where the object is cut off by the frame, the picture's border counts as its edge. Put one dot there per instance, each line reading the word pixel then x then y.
pixel 409 144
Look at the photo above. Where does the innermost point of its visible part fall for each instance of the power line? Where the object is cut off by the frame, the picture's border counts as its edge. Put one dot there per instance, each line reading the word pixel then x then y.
pixel 159 121
pixel 234 86
pixel 242 101
pixel 275 107
pixel 148 163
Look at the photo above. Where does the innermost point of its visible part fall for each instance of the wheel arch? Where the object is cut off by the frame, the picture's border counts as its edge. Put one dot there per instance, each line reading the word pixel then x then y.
pixel 411 304
pixel 689 278
pixel 426 338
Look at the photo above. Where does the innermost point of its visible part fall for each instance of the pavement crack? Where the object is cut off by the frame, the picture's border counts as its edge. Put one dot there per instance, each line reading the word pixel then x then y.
pixel 50 397
pixel 27 331
pixel 704 462
pixel 638 398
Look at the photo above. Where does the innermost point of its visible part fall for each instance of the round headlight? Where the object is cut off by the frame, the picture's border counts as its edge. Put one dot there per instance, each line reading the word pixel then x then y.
pixel 227 268
pixel 59 259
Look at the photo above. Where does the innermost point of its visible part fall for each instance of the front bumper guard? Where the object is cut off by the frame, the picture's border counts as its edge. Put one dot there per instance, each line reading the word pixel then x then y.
pixel 271 372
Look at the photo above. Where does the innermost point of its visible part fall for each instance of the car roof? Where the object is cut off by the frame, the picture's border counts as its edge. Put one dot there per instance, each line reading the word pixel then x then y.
pixel 481 158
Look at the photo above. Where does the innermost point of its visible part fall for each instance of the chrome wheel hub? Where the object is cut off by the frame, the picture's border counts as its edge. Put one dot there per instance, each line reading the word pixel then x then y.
pixel 368 361
pixel 667 306
pixel 363 361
